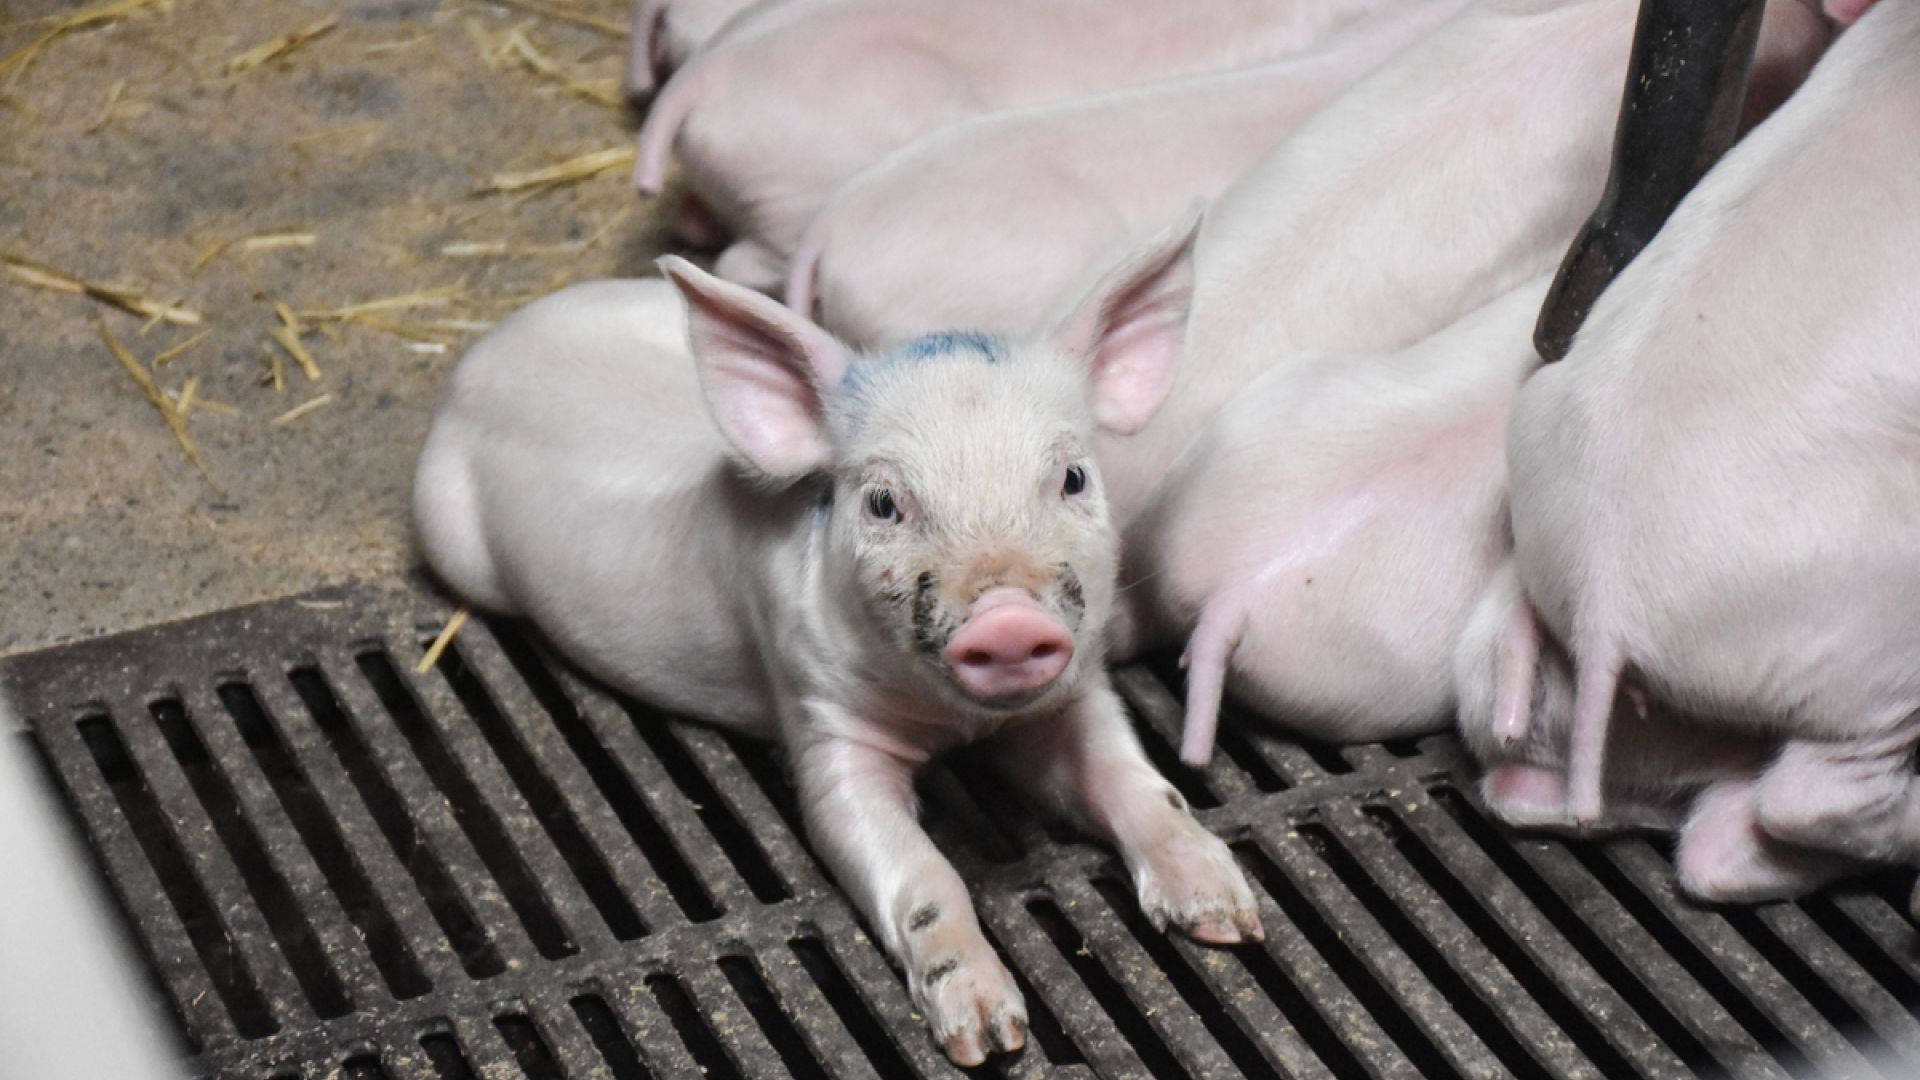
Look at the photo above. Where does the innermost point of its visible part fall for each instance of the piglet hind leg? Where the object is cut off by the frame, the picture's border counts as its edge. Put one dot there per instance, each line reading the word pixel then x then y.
pixel 1596 682
pixel 1726 855
pixel 857 802
pixel 1209 651
pixel 1859 799
pixel 1519 661
pixel 1088 766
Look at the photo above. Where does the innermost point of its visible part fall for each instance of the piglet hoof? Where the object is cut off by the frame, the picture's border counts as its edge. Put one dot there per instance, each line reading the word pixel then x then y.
pixel 1527 797
pixel 1725 857
pixel 972 1006
pixel 1193 883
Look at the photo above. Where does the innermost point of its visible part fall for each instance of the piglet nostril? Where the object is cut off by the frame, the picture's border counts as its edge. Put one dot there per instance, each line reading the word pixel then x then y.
pixel 1009 646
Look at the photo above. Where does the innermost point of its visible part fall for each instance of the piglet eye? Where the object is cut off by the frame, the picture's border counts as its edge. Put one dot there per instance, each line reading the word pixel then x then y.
pixel 880 504
pixel 1076 481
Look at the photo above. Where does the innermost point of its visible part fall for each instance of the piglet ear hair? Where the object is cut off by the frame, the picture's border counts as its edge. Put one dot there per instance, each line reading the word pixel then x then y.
pixel 765 371
pixel 1130 328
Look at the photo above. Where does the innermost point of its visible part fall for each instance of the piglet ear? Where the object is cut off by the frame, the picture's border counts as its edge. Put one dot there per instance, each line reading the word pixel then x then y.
pixel 764 369
pixel 1130 328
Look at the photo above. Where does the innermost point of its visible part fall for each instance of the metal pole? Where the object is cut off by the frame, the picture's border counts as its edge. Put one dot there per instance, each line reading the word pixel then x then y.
pixel 1681 110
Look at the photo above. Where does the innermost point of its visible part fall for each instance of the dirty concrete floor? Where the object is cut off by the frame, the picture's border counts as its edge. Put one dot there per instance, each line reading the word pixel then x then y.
pixel 128 151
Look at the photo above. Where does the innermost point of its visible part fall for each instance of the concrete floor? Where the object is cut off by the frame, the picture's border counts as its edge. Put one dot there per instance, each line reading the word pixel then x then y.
pixel 126 150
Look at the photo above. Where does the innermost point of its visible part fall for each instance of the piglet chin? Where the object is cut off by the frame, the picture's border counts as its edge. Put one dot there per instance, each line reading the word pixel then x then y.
pixel 1009 650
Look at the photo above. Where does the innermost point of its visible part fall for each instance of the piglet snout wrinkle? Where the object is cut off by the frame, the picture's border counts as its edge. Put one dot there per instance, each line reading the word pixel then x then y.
pixel 1009 646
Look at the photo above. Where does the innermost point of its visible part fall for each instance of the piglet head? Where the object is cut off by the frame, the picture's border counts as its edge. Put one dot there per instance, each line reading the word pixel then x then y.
pixel 962 515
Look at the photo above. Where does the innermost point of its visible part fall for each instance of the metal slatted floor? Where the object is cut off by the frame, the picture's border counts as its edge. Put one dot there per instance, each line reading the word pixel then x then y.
pixel 338 868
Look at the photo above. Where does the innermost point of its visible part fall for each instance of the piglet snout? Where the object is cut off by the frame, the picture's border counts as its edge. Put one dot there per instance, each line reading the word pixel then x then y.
pixel 1009 646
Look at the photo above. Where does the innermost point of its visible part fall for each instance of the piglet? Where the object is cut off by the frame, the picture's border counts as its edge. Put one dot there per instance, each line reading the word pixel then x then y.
pixel 1322 541
pixel 1447 177
pixel 1715 498
pixel 768 124
pixel 870 559
pixel 984 223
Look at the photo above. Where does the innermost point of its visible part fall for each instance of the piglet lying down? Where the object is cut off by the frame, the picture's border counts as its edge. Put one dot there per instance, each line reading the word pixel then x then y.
pixel 868 559
pixel 1716 510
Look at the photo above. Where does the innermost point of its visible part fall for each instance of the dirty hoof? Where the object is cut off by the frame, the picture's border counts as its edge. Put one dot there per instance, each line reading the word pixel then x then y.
pixel 1193 883
pixel 972 1006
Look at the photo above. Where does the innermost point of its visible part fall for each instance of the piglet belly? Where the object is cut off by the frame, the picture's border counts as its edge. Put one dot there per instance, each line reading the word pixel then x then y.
pixel 1325 665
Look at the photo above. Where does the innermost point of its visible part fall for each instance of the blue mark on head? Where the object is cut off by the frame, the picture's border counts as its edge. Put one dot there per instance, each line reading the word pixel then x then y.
pixel 929 346
pixel 926 347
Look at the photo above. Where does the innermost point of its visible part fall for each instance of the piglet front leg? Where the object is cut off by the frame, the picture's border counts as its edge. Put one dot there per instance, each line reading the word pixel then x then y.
pixel 1087 765
pixel 857 800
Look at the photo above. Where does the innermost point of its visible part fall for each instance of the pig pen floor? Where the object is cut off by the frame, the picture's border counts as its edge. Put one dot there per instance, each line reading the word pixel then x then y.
pixel 378 177
pixel 339 868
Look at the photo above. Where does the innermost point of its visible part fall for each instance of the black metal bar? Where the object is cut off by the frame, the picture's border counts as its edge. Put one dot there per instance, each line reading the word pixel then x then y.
pixel 1408 936
pixel 1679 113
